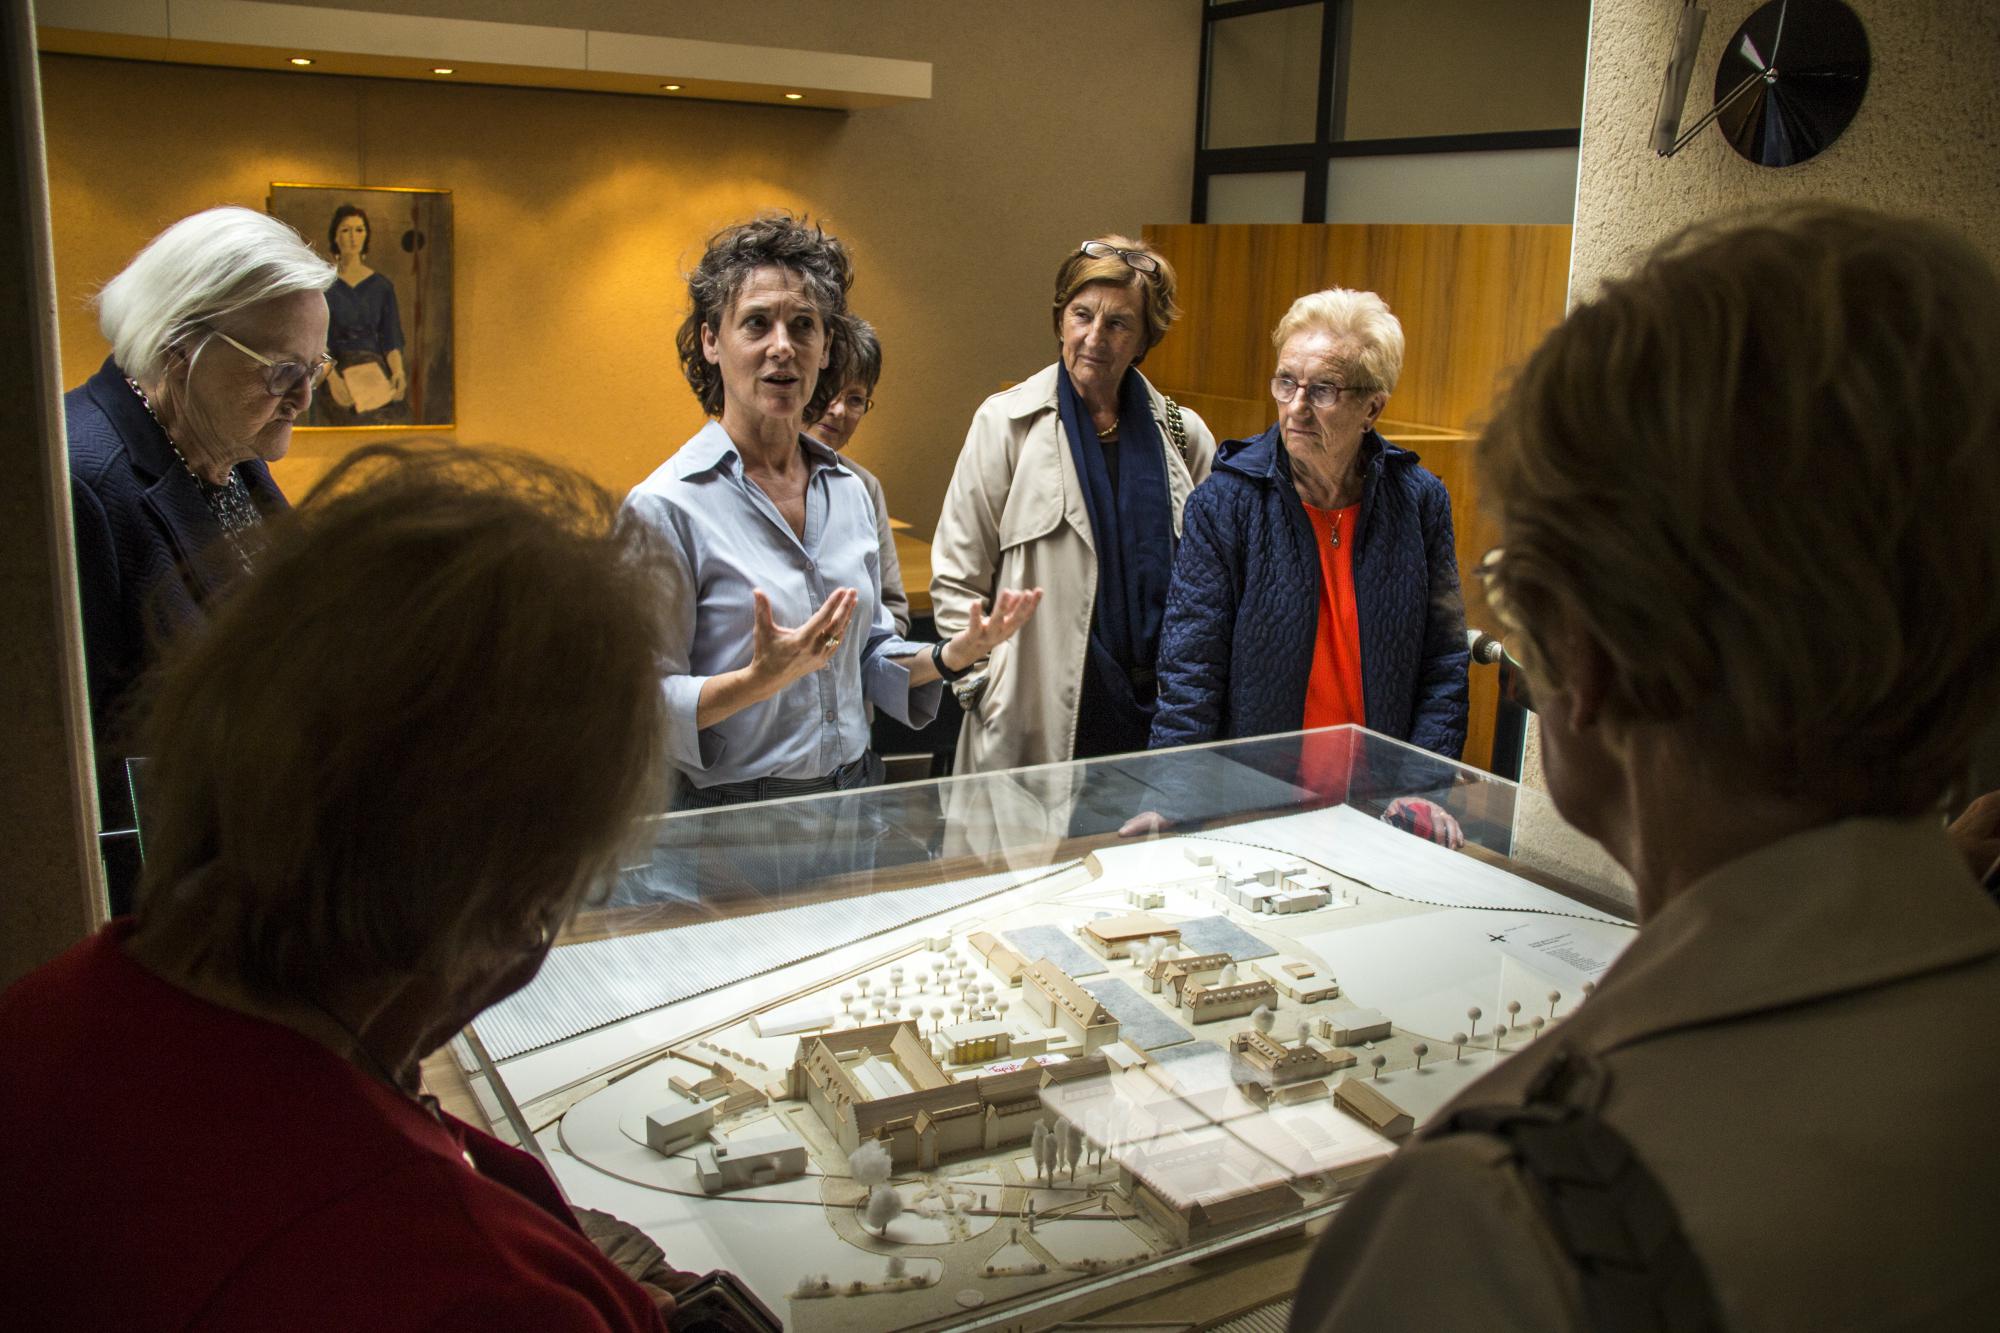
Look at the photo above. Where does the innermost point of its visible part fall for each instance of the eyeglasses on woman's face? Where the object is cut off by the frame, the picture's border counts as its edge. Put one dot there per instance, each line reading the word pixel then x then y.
pixel 1321 395
pixel 283 377
pixel 1136 259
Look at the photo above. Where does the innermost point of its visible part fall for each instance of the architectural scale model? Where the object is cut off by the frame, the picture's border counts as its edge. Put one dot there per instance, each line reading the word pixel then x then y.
pixel 1156 1052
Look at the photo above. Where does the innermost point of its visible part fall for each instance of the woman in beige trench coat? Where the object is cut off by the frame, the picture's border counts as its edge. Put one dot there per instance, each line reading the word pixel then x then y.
pixel 1022 512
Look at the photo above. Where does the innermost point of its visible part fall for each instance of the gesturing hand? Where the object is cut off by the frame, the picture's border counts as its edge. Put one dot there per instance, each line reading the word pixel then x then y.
pixel 779 656
pixel 983 633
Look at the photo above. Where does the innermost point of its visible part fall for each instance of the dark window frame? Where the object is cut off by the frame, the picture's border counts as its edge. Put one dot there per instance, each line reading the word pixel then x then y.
pixel 1313 157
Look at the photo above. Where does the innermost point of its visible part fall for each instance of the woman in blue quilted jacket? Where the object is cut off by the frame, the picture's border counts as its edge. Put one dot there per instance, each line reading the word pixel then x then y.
pixel 1316 583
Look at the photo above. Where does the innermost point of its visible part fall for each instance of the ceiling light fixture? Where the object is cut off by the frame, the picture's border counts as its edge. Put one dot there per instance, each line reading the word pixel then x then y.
pixel 443 69
pixel 670 87
pixel 794 97
pixel 302 61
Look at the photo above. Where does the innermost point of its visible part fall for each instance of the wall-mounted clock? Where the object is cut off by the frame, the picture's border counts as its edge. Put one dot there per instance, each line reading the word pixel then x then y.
pixel 1789 81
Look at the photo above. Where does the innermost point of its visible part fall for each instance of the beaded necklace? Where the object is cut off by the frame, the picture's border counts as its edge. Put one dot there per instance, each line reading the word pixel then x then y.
pixel 229 502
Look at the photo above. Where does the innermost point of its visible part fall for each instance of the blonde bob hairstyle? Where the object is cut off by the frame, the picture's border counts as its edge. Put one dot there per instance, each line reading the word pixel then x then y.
pixel 1370 336
pixel 418 733
pixel 1760 473
pixel 205 267
pixel 1156 290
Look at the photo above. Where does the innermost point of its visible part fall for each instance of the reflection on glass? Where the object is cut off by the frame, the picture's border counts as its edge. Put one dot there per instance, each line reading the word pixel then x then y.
pixel 1263 79
pixel 1462 67
pixel 986 1029
pixel 1505 185
pixel 1257 196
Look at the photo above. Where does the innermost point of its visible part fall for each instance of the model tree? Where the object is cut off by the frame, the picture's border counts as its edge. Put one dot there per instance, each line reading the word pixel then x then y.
pixel 1263 1019
pixel 884 1207
pixel 1555 998
pixel 1473 1014
pixel 1228 977
pixel 1421 1049
pixel 1458 1045
pixel 1378 1060
pixel 870 1164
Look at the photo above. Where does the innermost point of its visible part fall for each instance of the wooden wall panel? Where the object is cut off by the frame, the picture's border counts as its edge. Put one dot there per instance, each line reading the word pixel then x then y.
pixel 1473 301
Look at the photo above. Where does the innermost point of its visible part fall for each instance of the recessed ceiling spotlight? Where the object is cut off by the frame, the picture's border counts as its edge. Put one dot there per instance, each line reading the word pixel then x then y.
pixel 443 69
pixel 670 87
pixel 794 97
pixel 302 61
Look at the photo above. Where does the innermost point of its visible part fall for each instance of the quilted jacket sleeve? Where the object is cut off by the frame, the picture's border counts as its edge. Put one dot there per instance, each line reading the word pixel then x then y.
pixel 1199 630
pixel 1438 723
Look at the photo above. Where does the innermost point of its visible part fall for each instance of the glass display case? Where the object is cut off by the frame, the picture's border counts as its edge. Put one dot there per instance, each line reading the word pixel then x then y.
pixel 1021 1047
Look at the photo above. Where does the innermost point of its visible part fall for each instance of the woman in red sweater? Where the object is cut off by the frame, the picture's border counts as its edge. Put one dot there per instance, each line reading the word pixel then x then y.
pixel 381 780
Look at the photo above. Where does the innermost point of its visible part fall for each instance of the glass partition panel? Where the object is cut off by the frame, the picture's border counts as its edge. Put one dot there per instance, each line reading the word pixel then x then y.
pixel 946 1054
pixel 1257 196
pixel 1263 78
pixel 1508 185
pixel 1461 67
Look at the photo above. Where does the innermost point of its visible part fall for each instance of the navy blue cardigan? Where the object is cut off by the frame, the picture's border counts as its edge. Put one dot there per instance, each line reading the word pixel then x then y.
pixel 146 541
pixel 1242 618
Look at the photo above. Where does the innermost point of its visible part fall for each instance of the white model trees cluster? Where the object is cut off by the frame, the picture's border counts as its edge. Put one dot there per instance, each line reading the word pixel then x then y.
pixel 871 1167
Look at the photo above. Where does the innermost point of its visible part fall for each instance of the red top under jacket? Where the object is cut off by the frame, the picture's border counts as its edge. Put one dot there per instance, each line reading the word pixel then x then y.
pixel 169 1164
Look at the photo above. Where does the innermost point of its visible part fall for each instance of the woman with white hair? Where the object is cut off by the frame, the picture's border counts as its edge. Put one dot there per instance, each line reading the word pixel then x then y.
pixel 218 338
pixel 1316 582
pixel 1746 501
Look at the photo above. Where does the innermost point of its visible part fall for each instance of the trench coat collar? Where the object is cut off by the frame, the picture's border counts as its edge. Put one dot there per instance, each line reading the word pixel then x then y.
pixel 1037 395
pixel 1836 909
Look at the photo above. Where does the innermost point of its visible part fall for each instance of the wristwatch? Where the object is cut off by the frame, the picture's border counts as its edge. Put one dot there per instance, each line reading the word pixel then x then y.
pixel 945 673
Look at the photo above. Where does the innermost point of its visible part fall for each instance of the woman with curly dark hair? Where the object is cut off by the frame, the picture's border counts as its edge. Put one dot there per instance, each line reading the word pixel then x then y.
pixel 772 541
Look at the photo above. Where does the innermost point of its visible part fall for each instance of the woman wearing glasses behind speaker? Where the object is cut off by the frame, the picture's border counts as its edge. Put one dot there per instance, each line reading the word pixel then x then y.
pixel 218 339
pixel 1073 480
pixel 1316 583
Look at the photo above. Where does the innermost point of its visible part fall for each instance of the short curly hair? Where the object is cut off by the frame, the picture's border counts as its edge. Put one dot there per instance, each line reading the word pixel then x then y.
pixel 1156 290
pixel 1759 473
pixel 770 240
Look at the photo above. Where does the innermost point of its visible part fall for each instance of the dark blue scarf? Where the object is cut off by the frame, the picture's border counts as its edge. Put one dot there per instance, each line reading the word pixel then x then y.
pixel 1133 534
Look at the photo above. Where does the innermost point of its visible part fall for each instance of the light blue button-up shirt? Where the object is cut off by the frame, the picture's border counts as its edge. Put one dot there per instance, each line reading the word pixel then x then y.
pixel 726 539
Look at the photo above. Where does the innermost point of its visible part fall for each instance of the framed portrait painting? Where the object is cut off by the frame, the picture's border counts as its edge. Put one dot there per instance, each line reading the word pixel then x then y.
pixel 389 326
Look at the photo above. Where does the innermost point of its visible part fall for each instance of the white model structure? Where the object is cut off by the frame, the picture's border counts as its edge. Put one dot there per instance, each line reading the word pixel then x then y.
pixel 1213 1003
pixel 1367 1103
pixel 1004 961
pixel 764 1160
pixel 680 1122
pixel 1299 982
pixel 1053 996
pixel 1116 936
pixel 1170 974
pixel 1354 1027
pixel 970 1043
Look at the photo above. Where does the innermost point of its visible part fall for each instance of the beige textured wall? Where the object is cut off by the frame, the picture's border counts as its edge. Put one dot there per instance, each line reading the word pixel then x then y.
pixel 576 213
pixel 1926 140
